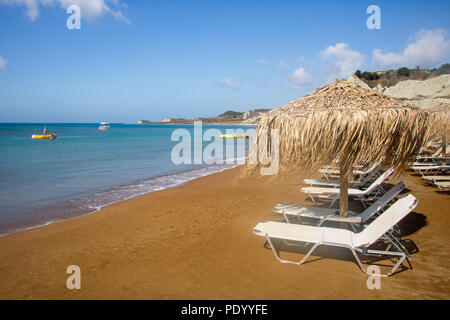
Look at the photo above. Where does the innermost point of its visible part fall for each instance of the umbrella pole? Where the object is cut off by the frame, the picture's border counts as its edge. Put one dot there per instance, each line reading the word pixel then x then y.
pixel 343 203
pixel 444 145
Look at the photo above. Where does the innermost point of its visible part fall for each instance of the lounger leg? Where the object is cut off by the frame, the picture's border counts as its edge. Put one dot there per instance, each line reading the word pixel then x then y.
pixel 312 198
pixel 275 252
pixel 309 252
pixel 332 202
pixel 396 242
pixel 321 222
pixel 358 261
pixel 399 262
pixel 401 257
pixel 363 202
pixel 353 227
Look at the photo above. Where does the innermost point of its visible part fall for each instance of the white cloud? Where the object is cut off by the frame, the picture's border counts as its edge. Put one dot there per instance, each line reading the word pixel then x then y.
pixel 3 63
pixel 281 66
pixel 90 9
pixel 259 61
pixel 300 78
pixel 343 60
pixel 430 48
pixel 32 7
pixel 228 83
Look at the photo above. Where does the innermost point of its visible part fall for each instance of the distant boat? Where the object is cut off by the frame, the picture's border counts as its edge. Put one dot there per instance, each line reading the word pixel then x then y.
pixel 43 136
pixel 104 126
pixel 234 136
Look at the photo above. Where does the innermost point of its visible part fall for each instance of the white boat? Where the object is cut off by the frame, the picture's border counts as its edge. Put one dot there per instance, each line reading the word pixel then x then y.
pixel 104 126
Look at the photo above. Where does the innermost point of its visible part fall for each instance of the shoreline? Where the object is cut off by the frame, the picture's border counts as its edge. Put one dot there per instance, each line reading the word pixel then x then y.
pixel 192 123
pixel 195 241
pixel 98 208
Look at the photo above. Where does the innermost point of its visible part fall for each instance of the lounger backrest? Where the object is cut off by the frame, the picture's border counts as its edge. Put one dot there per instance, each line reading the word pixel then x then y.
pixel 438 152
pixel 382 201
pixel 370 175
pixel 380 179
pixel 374 165
pixel 385 221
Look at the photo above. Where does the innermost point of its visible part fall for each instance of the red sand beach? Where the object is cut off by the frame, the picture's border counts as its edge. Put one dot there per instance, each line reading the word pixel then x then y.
pixel 196 242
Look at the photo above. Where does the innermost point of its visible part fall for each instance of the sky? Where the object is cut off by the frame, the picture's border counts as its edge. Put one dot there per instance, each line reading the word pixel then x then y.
pixel 144 59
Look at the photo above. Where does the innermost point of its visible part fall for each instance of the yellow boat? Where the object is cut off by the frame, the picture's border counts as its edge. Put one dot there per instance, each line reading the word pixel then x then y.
pixel 43 136
pixel 233 136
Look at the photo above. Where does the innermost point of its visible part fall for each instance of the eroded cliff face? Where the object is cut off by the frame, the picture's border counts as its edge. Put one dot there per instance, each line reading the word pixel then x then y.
pixel 425 94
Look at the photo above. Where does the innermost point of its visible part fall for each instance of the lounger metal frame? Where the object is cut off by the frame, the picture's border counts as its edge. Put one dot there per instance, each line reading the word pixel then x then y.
pixel 401 254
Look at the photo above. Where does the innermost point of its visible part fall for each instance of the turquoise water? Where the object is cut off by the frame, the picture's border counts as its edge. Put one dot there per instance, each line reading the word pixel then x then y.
pixel 84 169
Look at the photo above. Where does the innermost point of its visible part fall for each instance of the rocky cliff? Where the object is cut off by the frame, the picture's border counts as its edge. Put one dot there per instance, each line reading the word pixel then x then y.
pixel 425 94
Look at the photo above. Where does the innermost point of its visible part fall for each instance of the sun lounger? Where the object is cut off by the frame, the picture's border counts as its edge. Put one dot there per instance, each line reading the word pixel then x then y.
pixel 336 183
pixel 441 181
pixel 437 178
pixel 437 144
pixel 434 155
pixel 373 190
pixel 355 242
pixel 434 161
pixel 335 172
pixel 425 164
pixel 424 169
pixel 443 184
pixel 323 215
pixel 336 166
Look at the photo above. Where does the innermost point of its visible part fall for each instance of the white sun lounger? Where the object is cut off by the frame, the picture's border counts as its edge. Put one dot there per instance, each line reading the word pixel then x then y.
pixel 355 242
pixel 424 169
pixel 373 189
pixel 434 155
pixel 323 215
pixel 336 183
pixel 437 178
pixel 443 184
pixel 330 172
pixel 425 164
pixel 336 166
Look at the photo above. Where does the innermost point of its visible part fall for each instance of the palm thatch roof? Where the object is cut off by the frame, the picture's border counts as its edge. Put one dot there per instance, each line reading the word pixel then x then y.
pixel 342 122
pixel 439 122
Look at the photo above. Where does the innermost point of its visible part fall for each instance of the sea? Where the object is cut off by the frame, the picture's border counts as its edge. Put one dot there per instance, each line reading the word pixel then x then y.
pixel 85 169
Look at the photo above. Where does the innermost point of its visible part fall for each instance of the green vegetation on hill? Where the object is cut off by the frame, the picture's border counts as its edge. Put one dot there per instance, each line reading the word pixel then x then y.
pixel 444 69
pixel 228 117
pixel 231 113
pixel 391 77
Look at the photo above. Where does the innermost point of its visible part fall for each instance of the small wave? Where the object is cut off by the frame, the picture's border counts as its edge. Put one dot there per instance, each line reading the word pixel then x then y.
pixel 95 202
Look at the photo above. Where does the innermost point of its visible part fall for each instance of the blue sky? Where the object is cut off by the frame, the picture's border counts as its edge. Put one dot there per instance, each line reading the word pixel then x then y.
pixel 150 60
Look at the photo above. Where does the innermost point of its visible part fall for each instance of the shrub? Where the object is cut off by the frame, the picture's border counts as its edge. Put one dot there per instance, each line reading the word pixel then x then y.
pixel 403 72
pixel 370 75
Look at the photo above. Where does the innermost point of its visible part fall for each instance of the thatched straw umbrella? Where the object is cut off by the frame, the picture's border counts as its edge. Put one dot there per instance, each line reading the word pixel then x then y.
pixel 439 125
pixel 342 122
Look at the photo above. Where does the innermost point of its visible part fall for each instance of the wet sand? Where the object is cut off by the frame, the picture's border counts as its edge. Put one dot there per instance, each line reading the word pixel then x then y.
pixel 196 242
